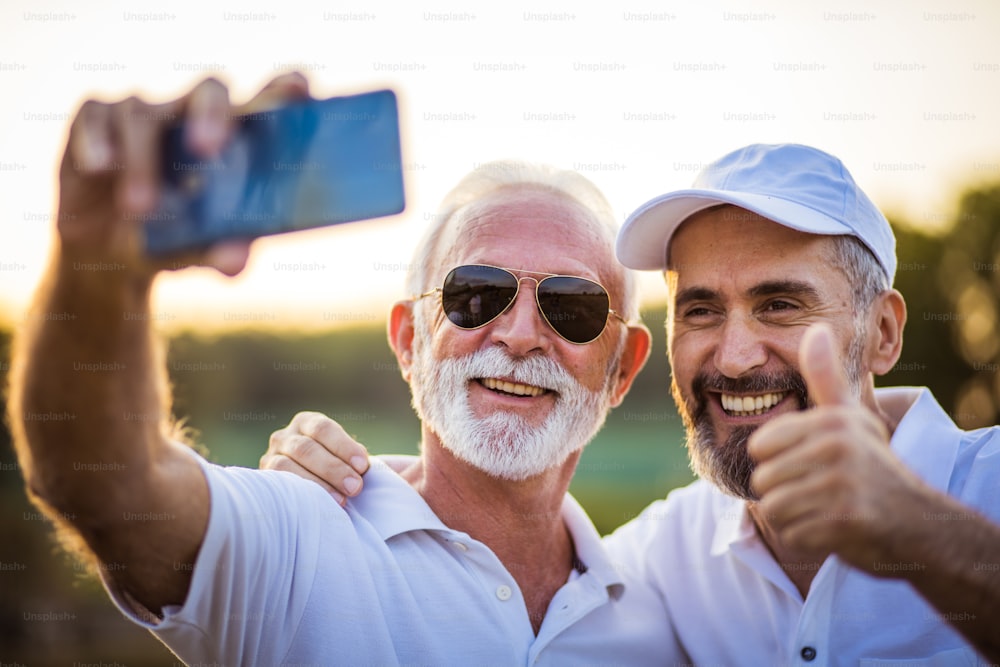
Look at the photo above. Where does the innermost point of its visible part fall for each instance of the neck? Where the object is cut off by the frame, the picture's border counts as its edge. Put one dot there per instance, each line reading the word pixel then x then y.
pixel 799 566
pixel 520 521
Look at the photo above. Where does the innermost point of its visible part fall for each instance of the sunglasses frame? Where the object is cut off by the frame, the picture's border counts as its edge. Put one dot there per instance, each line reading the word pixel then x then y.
pixel 518 279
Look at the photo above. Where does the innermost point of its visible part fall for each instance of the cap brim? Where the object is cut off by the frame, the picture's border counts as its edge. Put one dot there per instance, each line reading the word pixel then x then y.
pixel 644 238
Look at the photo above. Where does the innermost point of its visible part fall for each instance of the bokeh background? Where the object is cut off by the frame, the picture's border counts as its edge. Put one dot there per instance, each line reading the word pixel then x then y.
pixel 637 96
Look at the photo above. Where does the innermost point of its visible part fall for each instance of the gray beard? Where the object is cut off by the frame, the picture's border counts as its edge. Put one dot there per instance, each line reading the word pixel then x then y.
pixel 504 444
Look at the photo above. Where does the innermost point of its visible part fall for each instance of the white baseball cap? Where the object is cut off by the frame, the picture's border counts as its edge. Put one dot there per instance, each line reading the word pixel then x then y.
pixel 797 186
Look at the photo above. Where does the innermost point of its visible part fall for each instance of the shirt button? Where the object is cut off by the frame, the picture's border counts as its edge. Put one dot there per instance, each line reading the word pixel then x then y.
pixel 460 546
pixel 808 653
pixel 503 592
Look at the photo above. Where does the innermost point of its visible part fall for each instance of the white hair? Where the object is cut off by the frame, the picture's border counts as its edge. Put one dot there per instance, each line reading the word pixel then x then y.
pixel 485 180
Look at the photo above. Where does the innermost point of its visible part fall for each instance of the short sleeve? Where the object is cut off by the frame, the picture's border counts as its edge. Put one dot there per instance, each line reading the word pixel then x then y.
pixel 254 572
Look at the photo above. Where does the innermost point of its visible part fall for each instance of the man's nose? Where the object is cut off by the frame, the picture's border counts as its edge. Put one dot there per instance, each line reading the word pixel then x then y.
pixel 521 328
pixel 740 347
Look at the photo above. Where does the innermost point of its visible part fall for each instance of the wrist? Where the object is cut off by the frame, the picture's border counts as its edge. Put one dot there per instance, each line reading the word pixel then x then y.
pixel 95 277
pixel 938 539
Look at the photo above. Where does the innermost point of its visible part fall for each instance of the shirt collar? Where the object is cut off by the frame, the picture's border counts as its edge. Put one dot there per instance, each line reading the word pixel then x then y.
pixel 394 507
pixel 732 521
pixel 926 438
pixel 589 547
pixel 391 505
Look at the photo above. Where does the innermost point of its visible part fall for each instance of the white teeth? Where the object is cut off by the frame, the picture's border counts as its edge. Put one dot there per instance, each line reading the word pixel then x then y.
pixel 511 387
pixel 750 405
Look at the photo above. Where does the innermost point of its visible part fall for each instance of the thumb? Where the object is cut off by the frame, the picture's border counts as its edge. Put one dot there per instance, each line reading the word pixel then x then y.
pixel 229 257
pixel 822 368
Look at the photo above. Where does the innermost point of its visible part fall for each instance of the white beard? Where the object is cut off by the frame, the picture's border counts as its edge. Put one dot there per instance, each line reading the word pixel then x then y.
pixel 504 444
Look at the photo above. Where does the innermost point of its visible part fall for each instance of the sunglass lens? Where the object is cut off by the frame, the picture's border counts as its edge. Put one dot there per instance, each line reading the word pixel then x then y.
pixel 576 308
pixel 474 295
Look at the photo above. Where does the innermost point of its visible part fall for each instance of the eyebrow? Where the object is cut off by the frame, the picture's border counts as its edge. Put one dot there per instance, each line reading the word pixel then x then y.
pixel 770 288
pixel 689 294
pixel 789 287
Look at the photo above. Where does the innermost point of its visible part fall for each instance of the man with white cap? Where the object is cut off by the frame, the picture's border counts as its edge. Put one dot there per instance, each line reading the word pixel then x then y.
pixel 835 524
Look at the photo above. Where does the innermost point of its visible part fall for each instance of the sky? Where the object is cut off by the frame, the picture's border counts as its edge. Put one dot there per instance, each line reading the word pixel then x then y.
pixel 637 96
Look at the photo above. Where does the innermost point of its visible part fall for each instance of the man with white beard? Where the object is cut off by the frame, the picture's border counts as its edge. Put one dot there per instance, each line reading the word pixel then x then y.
pixel 834 523
pixel 475 555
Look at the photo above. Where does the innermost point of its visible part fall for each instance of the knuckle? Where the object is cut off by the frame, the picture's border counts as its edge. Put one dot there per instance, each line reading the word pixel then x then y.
pixel 331 469
pixel 91 110
pixel 127 108
pixel 330 431
pixel 274 462
pixel 837 418
pixel 293 77
pixel 298 421
pixel 299 448
pixel 211 85
pixel 276 438
pixel 832 448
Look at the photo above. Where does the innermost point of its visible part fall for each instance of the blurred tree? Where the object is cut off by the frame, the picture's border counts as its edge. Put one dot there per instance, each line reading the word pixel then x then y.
pixel 951 283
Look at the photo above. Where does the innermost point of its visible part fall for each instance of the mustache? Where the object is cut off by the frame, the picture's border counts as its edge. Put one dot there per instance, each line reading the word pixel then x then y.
pixel 536 371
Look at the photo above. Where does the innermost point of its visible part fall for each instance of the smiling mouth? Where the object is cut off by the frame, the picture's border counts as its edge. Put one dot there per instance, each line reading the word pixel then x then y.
pixel 745 406
pixel 511 388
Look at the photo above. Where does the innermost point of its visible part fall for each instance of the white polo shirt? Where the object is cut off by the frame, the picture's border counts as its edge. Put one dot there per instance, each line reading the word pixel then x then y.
pixel 287 577
pixel 731 603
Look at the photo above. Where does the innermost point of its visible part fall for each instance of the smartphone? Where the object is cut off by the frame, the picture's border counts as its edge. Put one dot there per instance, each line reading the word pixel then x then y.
pixel 307 164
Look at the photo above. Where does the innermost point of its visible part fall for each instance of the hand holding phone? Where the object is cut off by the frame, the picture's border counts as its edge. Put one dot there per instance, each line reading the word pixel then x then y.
pixel 145 187
pixel 305 164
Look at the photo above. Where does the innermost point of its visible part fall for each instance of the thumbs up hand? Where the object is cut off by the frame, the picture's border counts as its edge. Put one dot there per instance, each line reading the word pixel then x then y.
pixel 822 368
pixel 827 480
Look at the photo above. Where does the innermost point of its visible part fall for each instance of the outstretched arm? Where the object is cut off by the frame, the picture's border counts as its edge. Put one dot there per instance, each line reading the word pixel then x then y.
pixel 88 405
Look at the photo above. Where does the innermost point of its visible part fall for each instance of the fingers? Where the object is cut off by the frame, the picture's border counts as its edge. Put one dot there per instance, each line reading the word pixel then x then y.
pixel 792 503
pixel 808 440
pixel 285 464
pixel 318 445
pixel 90 145
pixel 334 439
pixel 227 257
pixel 138 137
pixel 775 436
pixel 823 369
pixel 802 459
pixel 208 118
pixel 281 89
pixel 111 179
pixel 317 461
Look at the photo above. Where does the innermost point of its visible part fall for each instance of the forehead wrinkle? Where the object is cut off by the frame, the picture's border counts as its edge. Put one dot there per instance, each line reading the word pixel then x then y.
pixel 583 249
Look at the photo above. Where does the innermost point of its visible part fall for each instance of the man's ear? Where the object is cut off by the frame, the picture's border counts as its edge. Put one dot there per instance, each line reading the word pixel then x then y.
pixel 634 355
pixel 887 337
pixel 400 332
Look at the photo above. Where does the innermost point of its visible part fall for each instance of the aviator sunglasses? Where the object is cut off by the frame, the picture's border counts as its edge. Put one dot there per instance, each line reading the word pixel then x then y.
pixel 473 295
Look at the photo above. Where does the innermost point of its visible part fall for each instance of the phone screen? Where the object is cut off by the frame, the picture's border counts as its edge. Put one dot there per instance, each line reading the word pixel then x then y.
pixel 307 164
